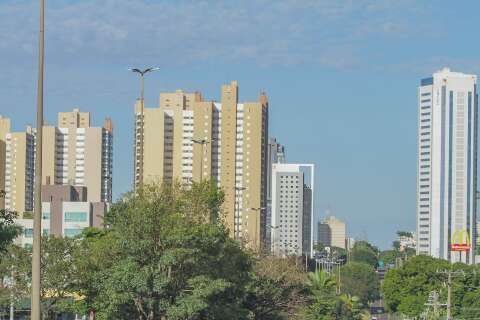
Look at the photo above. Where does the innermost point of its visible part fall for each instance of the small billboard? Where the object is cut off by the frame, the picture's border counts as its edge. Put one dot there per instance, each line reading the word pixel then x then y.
pixel 460 241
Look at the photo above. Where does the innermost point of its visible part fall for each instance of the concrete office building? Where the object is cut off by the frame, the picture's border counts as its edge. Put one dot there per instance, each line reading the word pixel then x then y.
pixel 188 138
pixel 4 129
pixel 291 194
pixel 65 213
pixel 447 170
pixel 332 232
pixel 275 154
pixel 74 153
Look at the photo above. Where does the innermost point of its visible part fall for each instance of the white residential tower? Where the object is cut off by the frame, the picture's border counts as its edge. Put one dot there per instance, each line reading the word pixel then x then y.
pixel 446 173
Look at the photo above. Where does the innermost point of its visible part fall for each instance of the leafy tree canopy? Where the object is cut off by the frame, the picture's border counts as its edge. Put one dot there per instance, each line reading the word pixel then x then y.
pixel 360 279
pixel 161 257
pixel 364 252
pixel 404 234
pixel 8 230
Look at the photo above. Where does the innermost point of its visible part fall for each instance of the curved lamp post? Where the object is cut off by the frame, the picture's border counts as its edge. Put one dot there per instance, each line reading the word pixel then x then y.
pixel 139 158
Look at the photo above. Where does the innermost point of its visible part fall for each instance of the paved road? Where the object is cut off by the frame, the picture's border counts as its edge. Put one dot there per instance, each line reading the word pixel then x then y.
pixel 377 310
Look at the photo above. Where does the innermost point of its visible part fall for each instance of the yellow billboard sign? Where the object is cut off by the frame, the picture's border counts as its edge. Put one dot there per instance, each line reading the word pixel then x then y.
pixel 461 241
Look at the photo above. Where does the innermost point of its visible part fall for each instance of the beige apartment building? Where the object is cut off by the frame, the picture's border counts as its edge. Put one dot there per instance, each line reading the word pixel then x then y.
pixel 332 232
pixel 19 170
pixel 78 154
pixel 190 139
pixel 4 129
pixel 74 153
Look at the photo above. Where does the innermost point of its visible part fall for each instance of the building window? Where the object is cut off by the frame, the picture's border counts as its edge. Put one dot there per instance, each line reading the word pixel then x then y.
pixel 72 232
pixel 45 215
pixel 28 233
pixel 75 216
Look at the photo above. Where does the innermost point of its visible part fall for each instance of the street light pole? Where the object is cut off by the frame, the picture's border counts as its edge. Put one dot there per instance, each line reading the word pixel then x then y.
pixel 139 158
pixel 203 143
pixel 37 211
pixel 259 210
pixel 274 244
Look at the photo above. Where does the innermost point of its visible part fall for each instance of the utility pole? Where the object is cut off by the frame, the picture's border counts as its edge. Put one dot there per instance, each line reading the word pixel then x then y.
pixel 257 233
pixel 37 211
pixel 450 274
pixel 449 296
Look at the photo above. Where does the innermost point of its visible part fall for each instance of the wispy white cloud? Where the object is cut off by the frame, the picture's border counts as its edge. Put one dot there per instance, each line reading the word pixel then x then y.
pixel 263 31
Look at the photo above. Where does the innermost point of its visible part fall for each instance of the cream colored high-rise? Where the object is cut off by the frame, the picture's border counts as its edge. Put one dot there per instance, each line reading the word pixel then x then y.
pixel 19 171
pixel 74 153
pixel 233 152
pixel 78 154
pixel 332 232
pixel 4 129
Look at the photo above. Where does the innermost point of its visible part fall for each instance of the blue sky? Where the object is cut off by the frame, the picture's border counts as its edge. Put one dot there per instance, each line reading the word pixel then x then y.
pixel 341 76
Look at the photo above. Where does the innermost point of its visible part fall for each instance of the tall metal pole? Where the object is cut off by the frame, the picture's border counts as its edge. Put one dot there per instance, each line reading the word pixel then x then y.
pixel 142 124
pixel 449 296
pixel 37 211
pixel 139 158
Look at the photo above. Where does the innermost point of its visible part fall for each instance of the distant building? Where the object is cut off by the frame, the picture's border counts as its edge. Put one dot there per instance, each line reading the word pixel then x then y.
pixel 407 240
pixel 65 213
pixel 332 232
pixel 74 153
pixel 447 165
pixel 19 171
pixel 79 154
pixel 349 243
pixel 275 154
pixel 292 208
pixel 189 139
pixel 4 129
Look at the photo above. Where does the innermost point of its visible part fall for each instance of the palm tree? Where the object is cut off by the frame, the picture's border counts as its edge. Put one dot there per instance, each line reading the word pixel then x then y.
pixel 320 283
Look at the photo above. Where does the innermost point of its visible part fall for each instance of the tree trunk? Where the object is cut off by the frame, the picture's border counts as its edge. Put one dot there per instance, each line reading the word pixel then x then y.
pixel 151 315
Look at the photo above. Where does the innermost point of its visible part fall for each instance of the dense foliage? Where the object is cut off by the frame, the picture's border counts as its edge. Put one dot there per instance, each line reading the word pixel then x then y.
pixel 364 252
pixel 165 254
pixel 8 229
pixel 325 304
pixel 407 289
pixel 360 279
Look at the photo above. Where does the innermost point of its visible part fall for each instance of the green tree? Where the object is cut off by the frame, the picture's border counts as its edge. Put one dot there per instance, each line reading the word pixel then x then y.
pixel 15 276
pixel 404 234
pixel 8 230
pixel 391 256
pixel 364 252
pixel 470 304
pixel 406 289
pixel 396 245
pixel 277 289
pixel 360 279
pixel 320 283
pixel 167 261
pixel 57 275
pixel 325 304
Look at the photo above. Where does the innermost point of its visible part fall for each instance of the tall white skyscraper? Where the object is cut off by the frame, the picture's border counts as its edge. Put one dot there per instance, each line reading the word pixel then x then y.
pixel 292 209
pixel 446 173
